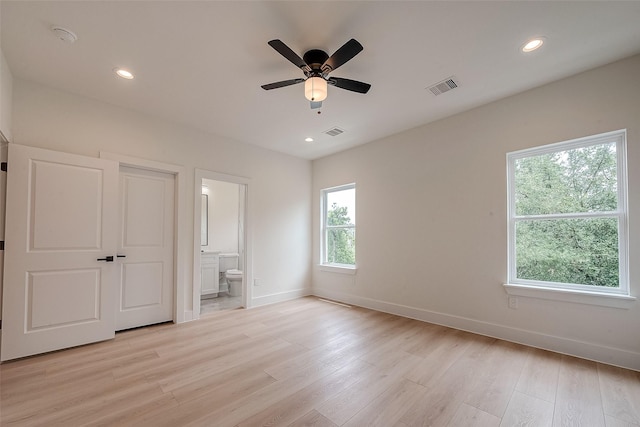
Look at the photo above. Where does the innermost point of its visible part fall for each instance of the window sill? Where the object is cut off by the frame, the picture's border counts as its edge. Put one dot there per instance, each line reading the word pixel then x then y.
pixel 570 295
pixel 341 269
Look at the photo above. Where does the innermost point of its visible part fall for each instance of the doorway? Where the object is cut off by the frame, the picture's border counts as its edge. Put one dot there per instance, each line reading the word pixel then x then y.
pixel 220 243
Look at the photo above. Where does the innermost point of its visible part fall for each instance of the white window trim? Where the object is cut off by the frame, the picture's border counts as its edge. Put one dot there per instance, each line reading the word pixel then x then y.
pixel 338 268
pixel 571 295
pixel 611 297
pixel 324 266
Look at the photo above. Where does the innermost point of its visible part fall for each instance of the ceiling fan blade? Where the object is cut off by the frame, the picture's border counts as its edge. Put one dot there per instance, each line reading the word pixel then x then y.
pixel 283 83
pixel 342 55
pixel 316 104
pixel 352 85
pixel 286 51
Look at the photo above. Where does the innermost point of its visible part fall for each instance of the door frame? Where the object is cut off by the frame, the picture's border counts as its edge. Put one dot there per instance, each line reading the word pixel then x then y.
pixel 180 312
pixel 247 278
pixel 4 147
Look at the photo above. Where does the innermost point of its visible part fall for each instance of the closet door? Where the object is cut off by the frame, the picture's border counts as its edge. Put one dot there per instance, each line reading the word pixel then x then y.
pixel 59 282
pixel 146 238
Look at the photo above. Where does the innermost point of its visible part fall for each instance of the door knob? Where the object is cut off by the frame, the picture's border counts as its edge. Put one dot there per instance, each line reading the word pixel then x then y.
pixel 106 259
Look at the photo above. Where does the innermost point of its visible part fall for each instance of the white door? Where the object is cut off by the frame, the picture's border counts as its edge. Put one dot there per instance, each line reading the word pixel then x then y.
pixel 146 240
pixel 59 288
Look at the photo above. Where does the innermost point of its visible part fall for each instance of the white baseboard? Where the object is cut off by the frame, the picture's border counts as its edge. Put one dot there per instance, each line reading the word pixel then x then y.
pixel 279 297
pixel 609 355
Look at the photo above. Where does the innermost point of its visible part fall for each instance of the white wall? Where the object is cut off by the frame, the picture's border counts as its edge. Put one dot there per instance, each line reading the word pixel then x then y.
pixel 6 95
pixel 223 201
pixel 431 216
pixel 279 189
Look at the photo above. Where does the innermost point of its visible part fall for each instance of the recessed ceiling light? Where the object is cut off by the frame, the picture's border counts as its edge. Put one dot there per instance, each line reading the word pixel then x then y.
pixel 308 139
pixel 125 74
pixel 533 44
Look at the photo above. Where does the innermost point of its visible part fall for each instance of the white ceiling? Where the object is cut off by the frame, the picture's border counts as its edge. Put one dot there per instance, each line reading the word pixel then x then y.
pixel 202 63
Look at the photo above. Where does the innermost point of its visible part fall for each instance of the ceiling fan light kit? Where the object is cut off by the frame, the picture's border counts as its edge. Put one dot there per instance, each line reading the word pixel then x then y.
pixel 316 67
pixel 315 89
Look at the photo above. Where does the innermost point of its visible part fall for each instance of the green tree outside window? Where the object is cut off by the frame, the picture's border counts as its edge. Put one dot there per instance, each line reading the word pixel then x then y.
pixel 341 242
pixel 577 250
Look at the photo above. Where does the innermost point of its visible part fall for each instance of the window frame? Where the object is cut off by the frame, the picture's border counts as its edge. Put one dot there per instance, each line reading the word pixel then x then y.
pixel 528 287
pixel 324 264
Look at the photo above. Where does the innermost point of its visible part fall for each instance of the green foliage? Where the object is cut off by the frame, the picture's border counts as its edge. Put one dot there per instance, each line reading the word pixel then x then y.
pixel 341 242
pixel 581 251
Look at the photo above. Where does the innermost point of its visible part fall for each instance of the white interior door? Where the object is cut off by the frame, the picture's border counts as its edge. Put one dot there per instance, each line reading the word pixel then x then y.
pixel 61 219
pixel 147 242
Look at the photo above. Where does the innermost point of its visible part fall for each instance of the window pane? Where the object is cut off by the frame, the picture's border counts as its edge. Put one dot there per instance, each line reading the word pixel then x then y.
pixel 341 207
pixel 341 246
pixel 578 251
pixel 578 180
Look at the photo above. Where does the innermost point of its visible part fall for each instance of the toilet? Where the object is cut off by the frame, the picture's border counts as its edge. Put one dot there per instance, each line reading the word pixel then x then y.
pixel 234 279
pixel 233 276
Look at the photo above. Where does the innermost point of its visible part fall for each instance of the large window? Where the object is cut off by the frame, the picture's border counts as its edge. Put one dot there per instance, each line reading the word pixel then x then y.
pixel 339 226
pixel 568 215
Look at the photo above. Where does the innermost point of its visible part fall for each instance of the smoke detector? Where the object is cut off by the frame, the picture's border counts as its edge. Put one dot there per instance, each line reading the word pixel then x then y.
pixel 63 34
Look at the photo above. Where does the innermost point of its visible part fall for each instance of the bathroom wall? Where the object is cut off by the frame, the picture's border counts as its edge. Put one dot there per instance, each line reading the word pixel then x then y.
pixel 52 119
pixel 432 226
pixel 223 211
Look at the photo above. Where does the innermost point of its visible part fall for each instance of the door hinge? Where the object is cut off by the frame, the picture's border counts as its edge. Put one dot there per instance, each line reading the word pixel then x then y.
pixel 1 245
pixel 3 166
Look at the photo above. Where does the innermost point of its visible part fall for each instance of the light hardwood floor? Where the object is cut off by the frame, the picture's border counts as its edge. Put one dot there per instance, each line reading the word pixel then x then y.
pixel 311 363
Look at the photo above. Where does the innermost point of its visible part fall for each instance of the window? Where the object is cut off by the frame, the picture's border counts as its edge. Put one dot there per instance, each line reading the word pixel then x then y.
pixel 339 226
pixel 568 215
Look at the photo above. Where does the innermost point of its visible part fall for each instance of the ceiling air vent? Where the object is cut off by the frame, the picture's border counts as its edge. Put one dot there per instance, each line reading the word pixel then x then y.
pixel 443 86
pixel 334 131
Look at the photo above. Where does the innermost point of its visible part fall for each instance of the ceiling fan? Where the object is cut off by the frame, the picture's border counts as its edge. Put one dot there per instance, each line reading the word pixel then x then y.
pixel 316 66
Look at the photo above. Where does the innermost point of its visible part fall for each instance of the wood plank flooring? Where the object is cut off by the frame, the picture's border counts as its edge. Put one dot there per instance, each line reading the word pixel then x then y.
pixel 312 363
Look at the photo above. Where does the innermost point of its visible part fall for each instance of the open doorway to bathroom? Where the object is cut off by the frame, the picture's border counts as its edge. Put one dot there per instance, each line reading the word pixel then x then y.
pixel 222 244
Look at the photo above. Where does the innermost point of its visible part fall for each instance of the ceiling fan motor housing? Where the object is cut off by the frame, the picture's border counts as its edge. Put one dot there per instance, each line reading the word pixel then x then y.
pixel 315 58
